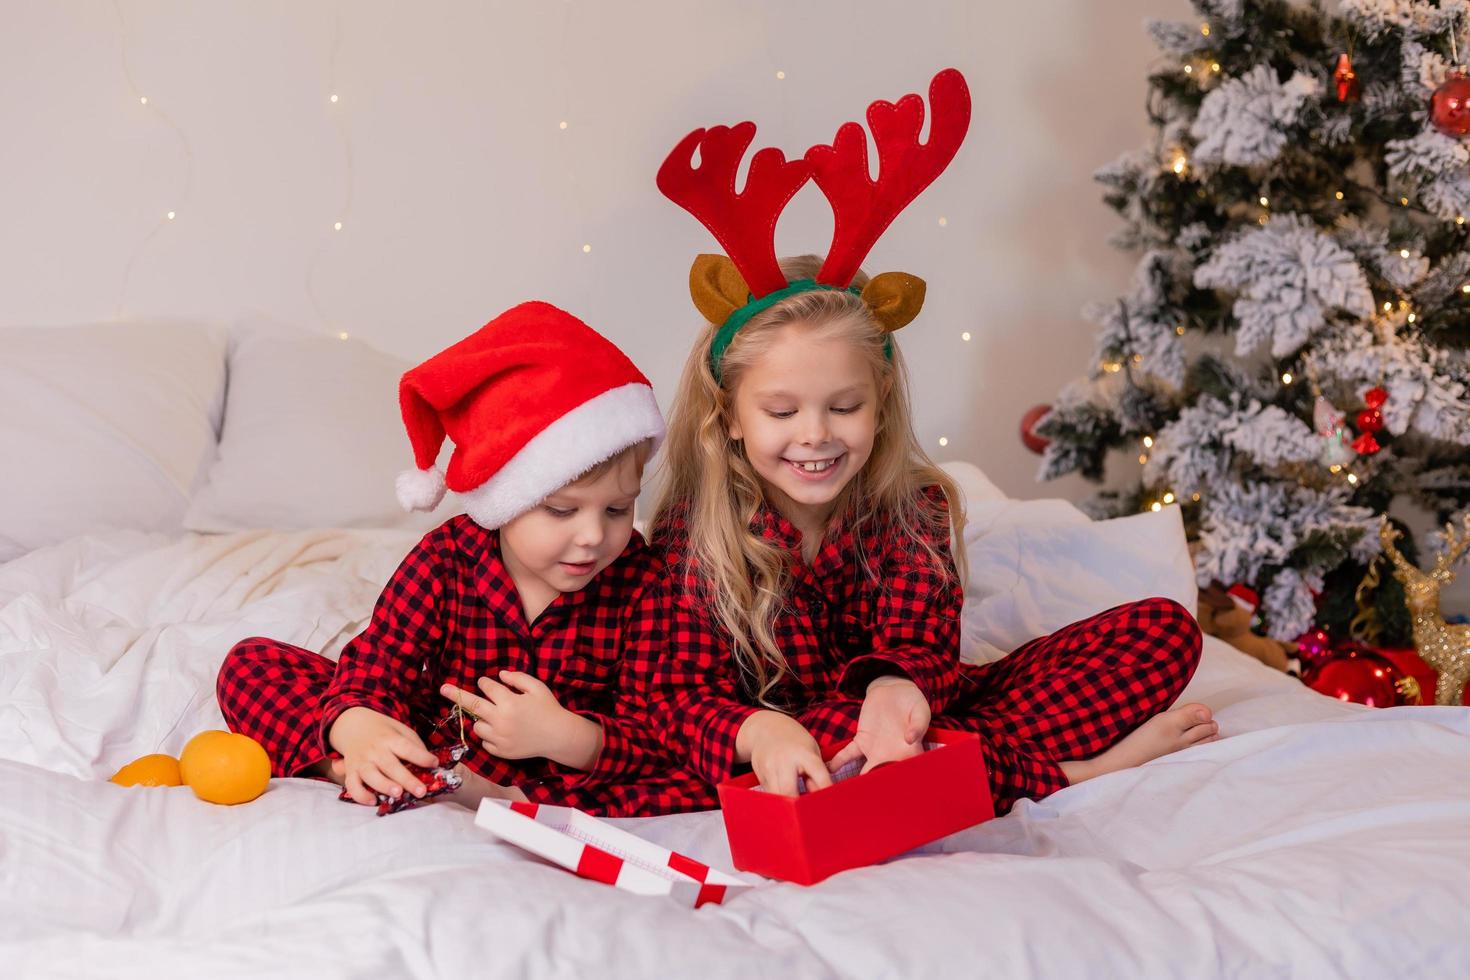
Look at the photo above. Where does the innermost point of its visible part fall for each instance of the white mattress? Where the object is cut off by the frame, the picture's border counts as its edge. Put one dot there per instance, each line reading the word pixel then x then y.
pixel 1317 839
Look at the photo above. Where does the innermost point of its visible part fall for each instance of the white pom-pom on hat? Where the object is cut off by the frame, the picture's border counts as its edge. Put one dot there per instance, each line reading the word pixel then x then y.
pixel 420 489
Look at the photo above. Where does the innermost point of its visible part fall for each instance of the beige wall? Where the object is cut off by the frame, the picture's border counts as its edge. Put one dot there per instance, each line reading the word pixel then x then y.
pixel 460 194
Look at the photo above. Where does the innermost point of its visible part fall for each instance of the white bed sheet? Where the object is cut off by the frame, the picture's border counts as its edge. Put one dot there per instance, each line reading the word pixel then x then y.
pixel 1317 839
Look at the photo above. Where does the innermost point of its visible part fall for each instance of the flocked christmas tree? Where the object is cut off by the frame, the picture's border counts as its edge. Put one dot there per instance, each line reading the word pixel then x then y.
pixel 1292 354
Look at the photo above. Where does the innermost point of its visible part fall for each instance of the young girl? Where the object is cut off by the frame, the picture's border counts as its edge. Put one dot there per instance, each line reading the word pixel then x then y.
pixel 523 598
pixel 812 591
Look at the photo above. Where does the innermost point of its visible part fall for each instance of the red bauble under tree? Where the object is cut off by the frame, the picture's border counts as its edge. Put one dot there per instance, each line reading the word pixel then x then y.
pixel 1357 673
pixel 1037 444
pixel 1449 106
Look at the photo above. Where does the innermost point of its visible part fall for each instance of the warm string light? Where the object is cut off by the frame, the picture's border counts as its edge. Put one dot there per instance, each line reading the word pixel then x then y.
pixel 186 151
pixel 965 336
pixel 943 221
pixel 943 441
pixel 334 100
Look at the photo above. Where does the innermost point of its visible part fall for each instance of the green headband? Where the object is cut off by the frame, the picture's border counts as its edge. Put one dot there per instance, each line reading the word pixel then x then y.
pixel 742 316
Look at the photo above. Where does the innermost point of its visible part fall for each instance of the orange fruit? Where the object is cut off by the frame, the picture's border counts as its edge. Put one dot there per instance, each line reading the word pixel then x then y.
pixel 225 767
pixel 150 770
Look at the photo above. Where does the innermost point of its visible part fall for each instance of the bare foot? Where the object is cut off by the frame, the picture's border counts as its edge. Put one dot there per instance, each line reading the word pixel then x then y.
pixel 476 788
pixel 1166 732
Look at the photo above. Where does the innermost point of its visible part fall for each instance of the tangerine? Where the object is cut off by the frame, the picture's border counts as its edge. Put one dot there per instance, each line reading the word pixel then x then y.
pixel 225 767
pixel 150 770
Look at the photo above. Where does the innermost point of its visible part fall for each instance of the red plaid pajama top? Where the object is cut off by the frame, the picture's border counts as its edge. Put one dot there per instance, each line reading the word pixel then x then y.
pixel 449 614
pixel 872 601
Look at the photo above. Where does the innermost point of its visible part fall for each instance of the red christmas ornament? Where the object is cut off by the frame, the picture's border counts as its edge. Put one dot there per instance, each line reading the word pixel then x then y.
pixel 1375 397
pixel 1313 647
pixel 1449 106
pixel 1037 444
pixel 1366 445
pixel 1356 673
pixel 1346 79
pixel 1370 420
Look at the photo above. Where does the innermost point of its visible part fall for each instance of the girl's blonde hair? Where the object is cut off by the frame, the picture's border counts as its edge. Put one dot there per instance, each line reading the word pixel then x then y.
pixel 741 576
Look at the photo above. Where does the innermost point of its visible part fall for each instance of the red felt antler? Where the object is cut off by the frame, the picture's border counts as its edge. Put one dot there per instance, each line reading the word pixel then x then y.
pixel 744 223
pixel 863 207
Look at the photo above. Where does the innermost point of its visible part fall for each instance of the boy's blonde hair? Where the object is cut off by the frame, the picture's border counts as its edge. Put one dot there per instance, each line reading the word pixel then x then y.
pixel 742 577
pixel 637 454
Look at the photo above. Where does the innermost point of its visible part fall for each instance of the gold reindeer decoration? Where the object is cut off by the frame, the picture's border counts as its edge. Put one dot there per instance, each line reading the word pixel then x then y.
pixel 1443 646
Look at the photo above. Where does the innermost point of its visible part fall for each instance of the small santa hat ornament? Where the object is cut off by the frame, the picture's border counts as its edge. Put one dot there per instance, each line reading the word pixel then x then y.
pixel 1244 596
pixel 531 400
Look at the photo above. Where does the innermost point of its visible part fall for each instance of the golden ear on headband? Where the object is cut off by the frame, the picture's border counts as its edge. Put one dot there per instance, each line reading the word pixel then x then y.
pixel 717 287
pixel 894 298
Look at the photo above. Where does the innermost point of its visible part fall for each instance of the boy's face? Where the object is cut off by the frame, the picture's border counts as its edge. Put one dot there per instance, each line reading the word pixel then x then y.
pixel 574 533
pixel 807 412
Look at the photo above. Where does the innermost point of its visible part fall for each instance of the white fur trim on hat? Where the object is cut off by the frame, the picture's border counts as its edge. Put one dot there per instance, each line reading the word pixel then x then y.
pixel 420 489
pixel 595 430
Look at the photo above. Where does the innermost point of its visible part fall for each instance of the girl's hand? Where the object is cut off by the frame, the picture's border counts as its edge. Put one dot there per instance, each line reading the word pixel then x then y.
pixel 374 748
pixel 782 752
pixel 891 725
pixel 519 718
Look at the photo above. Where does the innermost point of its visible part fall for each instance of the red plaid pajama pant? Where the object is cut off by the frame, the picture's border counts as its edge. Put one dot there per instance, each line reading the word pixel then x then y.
pixel 1063 697
pixel 272 691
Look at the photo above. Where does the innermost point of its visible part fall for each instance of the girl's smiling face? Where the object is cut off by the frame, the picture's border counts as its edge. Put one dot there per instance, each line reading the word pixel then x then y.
pixel 807 412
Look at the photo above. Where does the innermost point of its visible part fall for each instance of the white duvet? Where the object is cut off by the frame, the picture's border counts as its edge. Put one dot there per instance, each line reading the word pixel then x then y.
pixel 1317 839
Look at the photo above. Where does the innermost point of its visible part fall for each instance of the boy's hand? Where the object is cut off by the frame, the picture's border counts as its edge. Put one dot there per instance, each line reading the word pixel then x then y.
pixel 519 718
pixel 374 748
pixel 891 725
pixel 782 753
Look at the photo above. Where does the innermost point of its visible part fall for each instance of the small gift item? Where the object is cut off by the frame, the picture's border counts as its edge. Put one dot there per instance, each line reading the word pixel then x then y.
pixel 860 819
pixel 590 848
pixel 437 781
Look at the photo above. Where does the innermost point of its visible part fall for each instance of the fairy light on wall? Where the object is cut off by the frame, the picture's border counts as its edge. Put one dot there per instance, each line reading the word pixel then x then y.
pixel 344 208
pixel 181 197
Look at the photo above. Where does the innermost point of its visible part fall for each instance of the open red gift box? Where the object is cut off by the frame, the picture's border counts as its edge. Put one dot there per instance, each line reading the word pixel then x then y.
pixel 859 820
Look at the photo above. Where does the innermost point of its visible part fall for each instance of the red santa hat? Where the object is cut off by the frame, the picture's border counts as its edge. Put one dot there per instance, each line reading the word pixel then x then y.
pixel 1244 596
pixel 531 400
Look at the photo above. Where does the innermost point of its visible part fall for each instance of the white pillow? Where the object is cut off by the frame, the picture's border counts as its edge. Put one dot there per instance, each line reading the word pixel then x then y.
pixel 1037 565
pixel 312 437
pixel 973 483
pixel 103 427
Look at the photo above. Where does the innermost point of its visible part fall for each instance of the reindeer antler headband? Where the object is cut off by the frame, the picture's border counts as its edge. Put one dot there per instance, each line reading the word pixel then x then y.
pixel 729 291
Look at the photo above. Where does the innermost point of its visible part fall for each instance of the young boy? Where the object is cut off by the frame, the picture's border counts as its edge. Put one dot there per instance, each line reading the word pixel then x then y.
pixel 521 598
